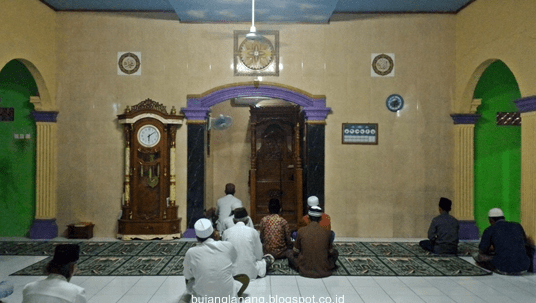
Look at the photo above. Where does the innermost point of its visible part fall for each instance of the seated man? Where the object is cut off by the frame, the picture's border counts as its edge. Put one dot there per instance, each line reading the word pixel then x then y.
pixel 248 245
pixel 223 206
pixel 275 233
pixel 56 287
pixel 229 222
pixel 503 246
pixel 443 232
pixel 208 266
pixel 314 256
pixel 325 221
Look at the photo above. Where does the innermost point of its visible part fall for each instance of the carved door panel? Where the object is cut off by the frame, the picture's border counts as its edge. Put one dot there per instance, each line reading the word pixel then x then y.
pixel 276 170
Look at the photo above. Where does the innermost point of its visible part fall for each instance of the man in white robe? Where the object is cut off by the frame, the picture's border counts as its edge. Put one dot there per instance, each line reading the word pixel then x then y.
pixel 229 222
pixel 248 245
pixel 56 287
pixel 208 266
pixel 223 206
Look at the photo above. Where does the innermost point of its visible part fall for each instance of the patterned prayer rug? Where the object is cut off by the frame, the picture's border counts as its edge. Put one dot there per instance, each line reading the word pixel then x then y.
pixel 165 258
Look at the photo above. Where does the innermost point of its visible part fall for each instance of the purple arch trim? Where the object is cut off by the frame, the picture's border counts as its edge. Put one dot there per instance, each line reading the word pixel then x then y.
pixel 527 104
pixel 45 116
pixel 198 107
pixel 465 118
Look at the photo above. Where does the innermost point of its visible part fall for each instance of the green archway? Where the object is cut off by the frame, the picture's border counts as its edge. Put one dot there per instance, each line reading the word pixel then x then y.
pixel 497 148
pixel 17 151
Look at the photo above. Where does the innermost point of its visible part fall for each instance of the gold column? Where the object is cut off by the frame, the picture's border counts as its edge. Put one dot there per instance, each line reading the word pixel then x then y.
pixel 464 184
pixel 528 172
pixel 172 179
pixel 463 208
pixel 46 163
pixel 527 107
pixel 126 194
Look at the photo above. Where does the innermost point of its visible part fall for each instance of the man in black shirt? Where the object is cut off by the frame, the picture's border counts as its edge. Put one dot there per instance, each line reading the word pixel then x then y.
pixel 503 246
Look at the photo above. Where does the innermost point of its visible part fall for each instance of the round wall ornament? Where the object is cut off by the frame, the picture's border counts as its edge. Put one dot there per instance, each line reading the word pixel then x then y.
pixel 383 64
pixel 256 54
pixel 394 102
pixel 129 63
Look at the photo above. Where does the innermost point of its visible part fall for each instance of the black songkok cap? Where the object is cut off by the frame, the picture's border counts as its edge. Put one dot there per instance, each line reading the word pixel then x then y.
pixel 66 253
pixel 445 204
pixel 240 213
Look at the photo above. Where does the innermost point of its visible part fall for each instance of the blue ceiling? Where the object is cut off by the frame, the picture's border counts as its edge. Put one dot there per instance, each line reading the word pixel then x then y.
pixel 272 11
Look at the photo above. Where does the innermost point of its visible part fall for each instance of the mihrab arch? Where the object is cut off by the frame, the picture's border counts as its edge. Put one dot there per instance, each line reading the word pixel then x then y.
pixel 197 110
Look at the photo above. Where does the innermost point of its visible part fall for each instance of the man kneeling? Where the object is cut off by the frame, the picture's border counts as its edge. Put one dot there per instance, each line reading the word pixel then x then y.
pixel 503 246
pixel 248 245
pixel 56 287
pixel 314 256
pixel 208 266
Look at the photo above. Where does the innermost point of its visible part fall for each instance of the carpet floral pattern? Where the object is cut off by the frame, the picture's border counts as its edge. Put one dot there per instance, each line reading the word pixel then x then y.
pixel 165 258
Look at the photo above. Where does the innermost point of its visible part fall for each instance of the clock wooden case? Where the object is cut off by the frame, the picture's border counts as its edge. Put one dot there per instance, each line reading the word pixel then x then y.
pixel 149 204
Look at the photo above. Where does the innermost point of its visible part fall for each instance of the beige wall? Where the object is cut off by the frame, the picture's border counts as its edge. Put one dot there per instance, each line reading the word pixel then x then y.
pixel 494 30
pixel 231 154
pixel 28 33
pixel 388 190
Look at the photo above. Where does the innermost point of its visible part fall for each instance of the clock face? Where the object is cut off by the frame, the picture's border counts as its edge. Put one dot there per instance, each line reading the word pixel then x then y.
pixel 148 135
pixel 394 103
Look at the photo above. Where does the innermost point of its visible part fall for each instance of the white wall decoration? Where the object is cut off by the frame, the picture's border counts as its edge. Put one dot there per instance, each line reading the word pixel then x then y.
pixel 129 63
pixel 382 65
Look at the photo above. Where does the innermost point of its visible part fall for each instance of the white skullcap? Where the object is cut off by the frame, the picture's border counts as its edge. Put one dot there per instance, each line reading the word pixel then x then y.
pixel 495 212
pixel 313 201
pixel 203 228
pixel 315 211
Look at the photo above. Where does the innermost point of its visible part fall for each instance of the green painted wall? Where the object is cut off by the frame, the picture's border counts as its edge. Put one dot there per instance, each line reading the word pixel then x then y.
pixel 497 148
pixel 17 157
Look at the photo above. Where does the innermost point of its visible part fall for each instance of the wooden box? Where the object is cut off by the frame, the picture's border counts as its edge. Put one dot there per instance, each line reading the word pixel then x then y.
pixel 80 231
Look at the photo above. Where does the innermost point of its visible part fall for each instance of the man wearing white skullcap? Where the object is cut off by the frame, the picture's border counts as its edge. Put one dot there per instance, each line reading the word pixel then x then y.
pixel 313 256
pixel 503 246
pixel 325 220
pixel 208 266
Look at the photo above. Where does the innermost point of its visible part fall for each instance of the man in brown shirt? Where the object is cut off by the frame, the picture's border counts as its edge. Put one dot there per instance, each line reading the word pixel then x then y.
pixel 314 256
pixel 325 220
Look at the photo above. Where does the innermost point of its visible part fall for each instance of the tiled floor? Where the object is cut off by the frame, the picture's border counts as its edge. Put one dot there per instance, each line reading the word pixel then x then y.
pixel 285 289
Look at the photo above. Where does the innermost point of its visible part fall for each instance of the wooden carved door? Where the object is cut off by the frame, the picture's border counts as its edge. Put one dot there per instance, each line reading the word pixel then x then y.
pixel 276 170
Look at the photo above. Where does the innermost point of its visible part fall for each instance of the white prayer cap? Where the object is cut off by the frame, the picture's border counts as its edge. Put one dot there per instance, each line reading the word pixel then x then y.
pixel 315 211
pixel 495 212
pixel 313 201
pixel 203 228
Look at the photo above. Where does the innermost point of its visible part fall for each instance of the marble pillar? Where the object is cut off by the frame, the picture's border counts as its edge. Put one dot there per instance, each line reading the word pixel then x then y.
pixel 314 165
pixel 195 197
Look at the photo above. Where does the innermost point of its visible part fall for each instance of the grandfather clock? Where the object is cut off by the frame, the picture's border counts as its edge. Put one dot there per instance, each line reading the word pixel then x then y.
pixel 149 204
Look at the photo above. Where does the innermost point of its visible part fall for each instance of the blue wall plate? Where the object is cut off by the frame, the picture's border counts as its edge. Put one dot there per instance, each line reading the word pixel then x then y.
pixel 394 102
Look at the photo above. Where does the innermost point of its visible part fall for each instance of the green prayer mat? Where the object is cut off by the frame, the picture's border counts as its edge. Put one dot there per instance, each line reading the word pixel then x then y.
pixel 165 258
